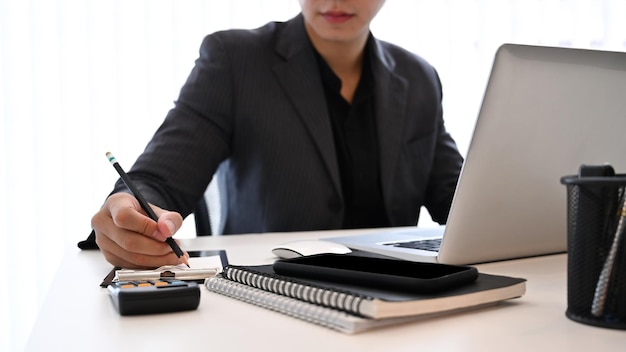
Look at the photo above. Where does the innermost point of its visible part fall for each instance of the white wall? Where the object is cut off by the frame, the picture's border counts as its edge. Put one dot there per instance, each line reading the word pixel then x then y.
pixel 82 77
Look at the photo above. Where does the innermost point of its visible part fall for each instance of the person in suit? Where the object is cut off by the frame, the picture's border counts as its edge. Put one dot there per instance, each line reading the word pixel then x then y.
pixel 313 123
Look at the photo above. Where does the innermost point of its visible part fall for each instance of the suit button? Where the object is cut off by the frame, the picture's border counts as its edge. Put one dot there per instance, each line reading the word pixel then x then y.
pixel 334 204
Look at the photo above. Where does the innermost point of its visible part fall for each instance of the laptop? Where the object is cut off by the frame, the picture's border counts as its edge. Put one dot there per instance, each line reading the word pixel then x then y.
pixel 545 112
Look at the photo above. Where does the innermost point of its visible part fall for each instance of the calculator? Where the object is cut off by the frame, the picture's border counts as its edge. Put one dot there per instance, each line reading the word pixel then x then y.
pixel 154 296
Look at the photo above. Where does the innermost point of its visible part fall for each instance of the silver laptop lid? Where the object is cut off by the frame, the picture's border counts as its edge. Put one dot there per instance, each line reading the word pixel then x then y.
pixel 545 112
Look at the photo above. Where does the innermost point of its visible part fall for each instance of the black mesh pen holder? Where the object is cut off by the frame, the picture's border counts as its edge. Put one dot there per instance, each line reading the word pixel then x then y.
pixel 596 244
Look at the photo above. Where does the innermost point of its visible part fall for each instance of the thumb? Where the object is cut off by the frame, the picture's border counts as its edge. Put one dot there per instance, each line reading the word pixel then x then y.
pixel 168 224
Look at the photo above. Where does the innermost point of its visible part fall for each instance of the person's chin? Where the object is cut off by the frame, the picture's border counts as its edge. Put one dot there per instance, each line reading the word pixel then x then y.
pixel 335 34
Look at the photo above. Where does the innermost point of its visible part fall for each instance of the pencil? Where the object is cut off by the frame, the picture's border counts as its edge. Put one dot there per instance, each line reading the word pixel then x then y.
pixel 144 205
pixel 602 287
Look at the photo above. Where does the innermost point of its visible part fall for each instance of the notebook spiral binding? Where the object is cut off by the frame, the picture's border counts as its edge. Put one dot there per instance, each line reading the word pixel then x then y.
pixel 323 296
pixel 312 313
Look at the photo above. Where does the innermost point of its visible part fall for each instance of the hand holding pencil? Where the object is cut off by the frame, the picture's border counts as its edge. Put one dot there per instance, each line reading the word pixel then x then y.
pixel 133 234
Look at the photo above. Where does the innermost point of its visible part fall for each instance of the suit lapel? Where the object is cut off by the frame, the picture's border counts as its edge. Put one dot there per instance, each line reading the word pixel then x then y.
pixel 298 76
pixel 391 99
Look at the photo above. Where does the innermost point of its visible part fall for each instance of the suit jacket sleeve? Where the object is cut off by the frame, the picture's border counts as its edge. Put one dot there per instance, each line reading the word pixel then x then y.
pixel 181 158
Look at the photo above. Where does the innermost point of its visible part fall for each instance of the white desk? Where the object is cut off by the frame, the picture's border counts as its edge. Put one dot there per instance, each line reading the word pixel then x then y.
pixel 78 315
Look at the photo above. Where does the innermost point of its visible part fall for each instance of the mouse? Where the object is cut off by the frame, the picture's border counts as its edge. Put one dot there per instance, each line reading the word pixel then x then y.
pixel 301 248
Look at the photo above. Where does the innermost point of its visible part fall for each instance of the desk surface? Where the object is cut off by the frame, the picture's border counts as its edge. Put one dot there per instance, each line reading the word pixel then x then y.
pixel 78 315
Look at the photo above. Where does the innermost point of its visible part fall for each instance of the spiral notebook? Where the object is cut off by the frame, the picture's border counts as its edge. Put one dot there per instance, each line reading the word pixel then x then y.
pixel 350 308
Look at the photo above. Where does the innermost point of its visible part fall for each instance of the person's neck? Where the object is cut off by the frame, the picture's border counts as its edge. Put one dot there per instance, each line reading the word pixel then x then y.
pixel 346 61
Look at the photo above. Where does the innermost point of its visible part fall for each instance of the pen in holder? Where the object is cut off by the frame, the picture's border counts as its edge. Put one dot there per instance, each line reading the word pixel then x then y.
pixel 596 245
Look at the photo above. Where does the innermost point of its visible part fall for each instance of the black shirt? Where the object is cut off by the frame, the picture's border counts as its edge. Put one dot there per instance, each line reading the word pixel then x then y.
pixel 356 143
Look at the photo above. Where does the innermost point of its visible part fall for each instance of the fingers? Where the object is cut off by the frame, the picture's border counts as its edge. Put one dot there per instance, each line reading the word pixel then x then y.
pixel 122 257
pixel 127 214
pixel 128 238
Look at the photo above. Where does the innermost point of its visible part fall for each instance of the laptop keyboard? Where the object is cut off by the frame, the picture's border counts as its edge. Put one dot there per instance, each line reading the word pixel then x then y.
pixel 426 244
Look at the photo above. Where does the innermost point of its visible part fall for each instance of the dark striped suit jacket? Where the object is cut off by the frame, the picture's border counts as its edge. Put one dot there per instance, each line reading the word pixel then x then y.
pixel 255 100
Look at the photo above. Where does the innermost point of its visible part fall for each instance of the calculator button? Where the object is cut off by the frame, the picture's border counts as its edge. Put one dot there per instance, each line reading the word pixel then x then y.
pixel 177 283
